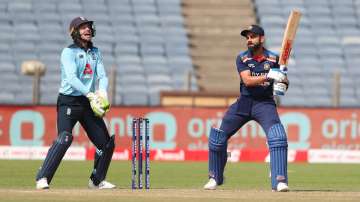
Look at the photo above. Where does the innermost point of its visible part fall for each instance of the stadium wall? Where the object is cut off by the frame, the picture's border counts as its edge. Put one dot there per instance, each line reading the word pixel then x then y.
pixel 180 133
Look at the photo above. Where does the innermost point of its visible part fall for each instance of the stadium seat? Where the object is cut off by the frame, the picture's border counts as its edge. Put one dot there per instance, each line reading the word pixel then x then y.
pixel 324 45
pixel 7 97
pixel 130 69
pixel 292 101
pixel 134 95
pixel 128 59
pixel 126 48
pixel 141 37
pixel 131 79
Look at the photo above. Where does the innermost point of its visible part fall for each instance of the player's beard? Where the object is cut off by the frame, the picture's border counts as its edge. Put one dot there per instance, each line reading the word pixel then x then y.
pixel 255 47
pixel 86 37
pixel 83 43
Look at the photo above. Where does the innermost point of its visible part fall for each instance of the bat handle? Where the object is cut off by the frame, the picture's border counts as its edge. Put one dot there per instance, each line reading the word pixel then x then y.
pixel 283 68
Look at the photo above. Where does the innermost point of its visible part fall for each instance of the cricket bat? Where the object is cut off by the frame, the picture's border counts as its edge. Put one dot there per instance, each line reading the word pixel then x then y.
pixel 289 36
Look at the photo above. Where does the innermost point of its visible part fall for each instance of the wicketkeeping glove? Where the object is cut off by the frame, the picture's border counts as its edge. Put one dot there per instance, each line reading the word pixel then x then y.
pixel 103 100
pixel 97 104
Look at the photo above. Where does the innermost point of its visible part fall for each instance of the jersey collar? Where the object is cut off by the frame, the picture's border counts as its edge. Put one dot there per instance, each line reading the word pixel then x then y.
pixel 264 56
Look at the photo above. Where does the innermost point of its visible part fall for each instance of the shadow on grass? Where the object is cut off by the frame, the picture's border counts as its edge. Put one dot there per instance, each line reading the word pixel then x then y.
pixel 315 190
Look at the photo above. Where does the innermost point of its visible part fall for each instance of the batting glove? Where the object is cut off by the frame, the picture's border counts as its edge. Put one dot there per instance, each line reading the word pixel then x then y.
pixel 276 75
pixel 284 69
pixel 280 88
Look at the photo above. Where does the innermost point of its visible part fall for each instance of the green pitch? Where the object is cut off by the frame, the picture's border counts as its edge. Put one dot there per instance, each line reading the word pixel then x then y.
pixel 179 181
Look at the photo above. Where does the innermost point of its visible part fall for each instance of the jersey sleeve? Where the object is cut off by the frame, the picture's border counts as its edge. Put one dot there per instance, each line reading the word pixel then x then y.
pixel 101 73
pixel 241 66
pixel 70 69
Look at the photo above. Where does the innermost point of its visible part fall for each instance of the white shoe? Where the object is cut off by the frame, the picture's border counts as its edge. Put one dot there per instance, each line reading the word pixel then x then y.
pixel 211 184
pixel 102 185
pixel 282 187
pixel 42 183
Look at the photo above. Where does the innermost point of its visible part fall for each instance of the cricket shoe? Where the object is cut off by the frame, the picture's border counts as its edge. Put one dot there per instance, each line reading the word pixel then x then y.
pixel 42 183
pixel 211 184
pixel 102 185
pixel 282 187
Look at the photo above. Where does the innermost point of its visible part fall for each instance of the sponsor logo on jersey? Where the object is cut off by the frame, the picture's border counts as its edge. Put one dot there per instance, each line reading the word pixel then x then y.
pixel 87 71
pixel 251 65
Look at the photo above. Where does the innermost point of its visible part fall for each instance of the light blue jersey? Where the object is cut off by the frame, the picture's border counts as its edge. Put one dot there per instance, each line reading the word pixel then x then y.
pixel 80 70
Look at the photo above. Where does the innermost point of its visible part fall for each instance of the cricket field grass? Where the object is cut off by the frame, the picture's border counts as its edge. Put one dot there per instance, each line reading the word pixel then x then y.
pixel 181 181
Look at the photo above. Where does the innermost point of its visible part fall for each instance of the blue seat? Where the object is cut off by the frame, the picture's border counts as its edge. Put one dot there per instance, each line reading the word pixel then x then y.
pixel 126 48
pixel 134 95
pixel 127 59
pixel 140 37
pixel 130 69
pixel 131 79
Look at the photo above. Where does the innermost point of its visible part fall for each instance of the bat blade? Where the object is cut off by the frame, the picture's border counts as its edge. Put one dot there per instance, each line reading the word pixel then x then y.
pixel 289 36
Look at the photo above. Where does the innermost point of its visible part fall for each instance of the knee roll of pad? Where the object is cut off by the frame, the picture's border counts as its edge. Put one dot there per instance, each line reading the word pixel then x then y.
pixel 277 136
pixel 217 140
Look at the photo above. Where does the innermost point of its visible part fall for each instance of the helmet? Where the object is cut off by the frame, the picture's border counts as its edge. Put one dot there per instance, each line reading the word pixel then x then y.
pixel 75 24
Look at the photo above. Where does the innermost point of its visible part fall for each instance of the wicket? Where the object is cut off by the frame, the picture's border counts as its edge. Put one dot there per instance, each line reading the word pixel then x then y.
pixel 140 128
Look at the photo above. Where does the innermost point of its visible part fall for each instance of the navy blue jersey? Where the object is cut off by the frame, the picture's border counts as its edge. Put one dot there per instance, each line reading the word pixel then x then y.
pixel 257 66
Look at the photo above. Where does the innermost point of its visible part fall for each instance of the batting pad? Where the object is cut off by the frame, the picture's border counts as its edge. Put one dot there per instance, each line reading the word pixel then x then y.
pixel 217 154
pixel 102 161
pixel 54 156
pixel 278 146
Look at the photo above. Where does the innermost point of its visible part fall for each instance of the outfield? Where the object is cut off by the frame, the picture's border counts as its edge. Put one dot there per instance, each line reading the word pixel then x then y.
pixel 179 181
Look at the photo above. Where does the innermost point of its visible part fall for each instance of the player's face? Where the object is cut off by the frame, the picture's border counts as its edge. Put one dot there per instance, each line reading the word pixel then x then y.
pixel 85 32
pixel 253 41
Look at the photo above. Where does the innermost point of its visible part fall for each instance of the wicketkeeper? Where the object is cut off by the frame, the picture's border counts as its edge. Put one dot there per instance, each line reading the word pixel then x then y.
pixel 79 101
pixel 261 77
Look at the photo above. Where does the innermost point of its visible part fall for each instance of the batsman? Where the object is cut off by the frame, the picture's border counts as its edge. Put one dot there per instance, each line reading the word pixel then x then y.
pixel 79 101
pixel 260 74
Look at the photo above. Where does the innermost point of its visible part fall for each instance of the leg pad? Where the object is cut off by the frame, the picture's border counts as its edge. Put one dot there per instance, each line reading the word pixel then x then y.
pixel 102 161
pixel 217 154
pixel 278 147
pixel 54 156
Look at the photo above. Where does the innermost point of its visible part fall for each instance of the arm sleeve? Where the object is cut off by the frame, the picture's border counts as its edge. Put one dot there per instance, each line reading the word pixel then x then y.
pixel 70 69
pixel 101 73
pixel 241 66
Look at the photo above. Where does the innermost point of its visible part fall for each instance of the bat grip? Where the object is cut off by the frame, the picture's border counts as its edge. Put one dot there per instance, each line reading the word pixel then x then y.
pixel 283 68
